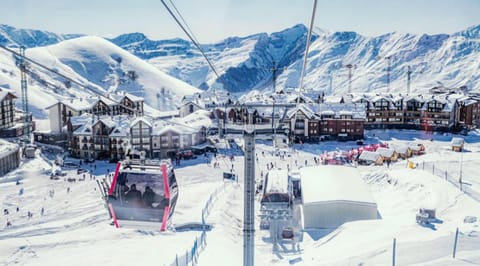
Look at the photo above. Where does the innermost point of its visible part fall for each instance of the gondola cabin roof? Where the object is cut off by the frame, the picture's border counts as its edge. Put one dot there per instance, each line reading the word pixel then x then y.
pixel 277 182
pixel 136 165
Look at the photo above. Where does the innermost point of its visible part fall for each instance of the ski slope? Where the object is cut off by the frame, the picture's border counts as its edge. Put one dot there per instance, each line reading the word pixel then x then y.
pixel 75 228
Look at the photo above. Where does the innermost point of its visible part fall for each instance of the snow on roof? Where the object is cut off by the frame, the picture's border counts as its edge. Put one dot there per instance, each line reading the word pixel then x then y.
pixel 277 182
pixel 84 130
pixel 357 111
pixel 417 98
pixel 369 156
pixel 400 148
pixel 80 104
pixel 377 98
pixel 81 119
pixel 385 152
pixel 7 148
pixel 4 93
pixel 197 119
pixel 133 97
pixel 143 119
pixel 333 99
pixel 108 121
pixel 162 130
pixel 302 108
pixel 328 183
pixel 414 146
pixel 457 142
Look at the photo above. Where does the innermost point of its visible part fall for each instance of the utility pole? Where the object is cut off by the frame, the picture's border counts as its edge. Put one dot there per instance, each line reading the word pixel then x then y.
pixel 350 66
pixel 409 73
pixel 23 82
pixel 274 70
pixel 389 66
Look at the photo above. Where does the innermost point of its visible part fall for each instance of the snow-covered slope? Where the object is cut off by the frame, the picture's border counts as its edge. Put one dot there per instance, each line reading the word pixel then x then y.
pixel 98 64
pixel 75 227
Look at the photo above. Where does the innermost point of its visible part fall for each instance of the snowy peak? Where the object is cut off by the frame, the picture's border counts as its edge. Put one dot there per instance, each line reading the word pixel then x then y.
pixel 13 37
pixel 129 38
pixel 97 64
pixel 472 32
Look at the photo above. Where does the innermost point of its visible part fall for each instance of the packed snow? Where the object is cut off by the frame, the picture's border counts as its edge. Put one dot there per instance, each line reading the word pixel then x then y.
pixel 75 228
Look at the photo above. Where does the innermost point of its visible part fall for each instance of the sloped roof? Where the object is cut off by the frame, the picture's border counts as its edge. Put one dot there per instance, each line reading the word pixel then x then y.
pixel 402 149
pixel 369 156
pixel 457 142
pixel 4 93
pixel 142 119
pixel 328 183
pixel 277 182
pixel 385 152
pixel 301 108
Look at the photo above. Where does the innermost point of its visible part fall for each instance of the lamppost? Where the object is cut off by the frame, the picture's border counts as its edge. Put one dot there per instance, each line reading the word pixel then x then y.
pixel 461 166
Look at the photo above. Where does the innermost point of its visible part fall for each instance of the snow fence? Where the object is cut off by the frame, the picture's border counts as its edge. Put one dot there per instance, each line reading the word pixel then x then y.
pixel 190 256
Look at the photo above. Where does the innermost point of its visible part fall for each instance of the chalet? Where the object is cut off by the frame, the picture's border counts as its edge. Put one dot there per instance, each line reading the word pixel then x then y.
pixel 298 121
pixel 190 104
pixel 457 144
pixel 379 112
pixel 468 112
pixel 416 148
pixel 7 108
pixel 413 111
pixel 370 157
pixel 388 154
pixel 141 135
pixel 61 111
pixel 403 151
pixel 438 114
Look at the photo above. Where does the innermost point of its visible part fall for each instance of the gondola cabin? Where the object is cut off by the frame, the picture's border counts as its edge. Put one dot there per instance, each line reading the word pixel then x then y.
pixel 278 188
pixel 143 193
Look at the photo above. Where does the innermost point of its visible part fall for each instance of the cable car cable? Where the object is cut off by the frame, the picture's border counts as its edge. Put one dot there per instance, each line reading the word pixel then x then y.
pixel 191 38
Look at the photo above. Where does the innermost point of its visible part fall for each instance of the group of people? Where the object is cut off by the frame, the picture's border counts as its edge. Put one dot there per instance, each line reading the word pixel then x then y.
pixel 6 212
pixel 136 198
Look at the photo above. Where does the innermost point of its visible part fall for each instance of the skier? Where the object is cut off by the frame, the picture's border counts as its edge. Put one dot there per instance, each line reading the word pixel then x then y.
pixel 8 223
pixel 42 211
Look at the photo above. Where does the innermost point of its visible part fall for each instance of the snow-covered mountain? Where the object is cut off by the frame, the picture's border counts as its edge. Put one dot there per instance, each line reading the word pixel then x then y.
pixel 13 37
pixel 96 63
pixel 245 63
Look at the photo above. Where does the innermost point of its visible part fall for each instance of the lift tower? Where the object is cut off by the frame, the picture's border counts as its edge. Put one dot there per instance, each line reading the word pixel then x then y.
pixel 249 192
pixel 23 81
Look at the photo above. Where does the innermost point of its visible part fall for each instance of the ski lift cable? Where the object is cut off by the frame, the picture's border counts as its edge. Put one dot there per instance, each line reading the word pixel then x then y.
pixel 94 91
pixel 81 85
pixel 184 21
pixel 305 60
pixel 307 48
pixel 191 38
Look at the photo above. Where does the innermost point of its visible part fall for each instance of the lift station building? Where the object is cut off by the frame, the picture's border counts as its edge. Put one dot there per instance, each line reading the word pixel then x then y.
pixel 333 195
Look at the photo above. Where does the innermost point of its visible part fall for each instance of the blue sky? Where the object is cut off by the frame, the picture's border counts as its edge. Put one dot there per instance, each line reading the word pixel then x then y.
pixel 214 20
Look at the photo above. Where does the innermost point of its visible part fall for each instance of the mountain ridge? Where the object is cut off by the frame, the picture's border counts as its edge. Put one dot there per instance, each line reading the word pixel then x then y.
pixel 246 63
